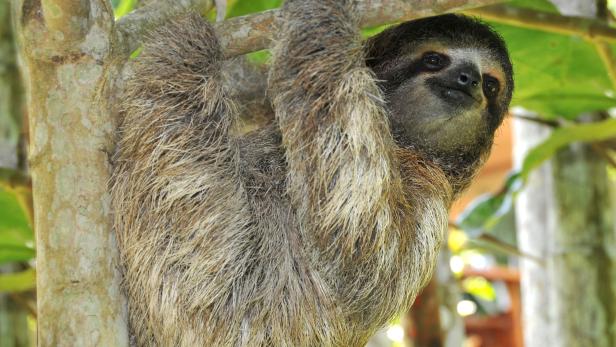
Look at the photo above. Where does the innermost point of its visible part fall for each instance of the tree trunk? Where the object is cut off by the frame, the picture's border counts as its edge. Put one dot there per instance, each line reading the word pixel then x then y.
pixel 69 58
pixel 566 217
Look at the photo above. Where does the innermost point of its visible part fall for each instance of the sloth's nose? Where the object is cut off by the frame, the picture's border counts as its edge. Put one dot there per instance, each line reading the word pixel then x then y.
pixel 469 78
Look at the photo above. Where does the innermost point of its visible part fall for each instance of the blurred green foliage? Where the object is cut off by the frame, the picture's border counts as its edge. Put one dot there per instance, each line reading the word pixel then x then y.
pixel 122 7
pixel 18 282
pixel 243 7
pixel 479 287
pixel 16 236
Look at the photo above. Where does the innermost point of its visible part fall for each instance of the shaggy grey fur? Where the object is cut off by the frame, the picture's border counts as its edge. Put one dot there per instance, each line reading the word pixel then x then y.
pixel 314 231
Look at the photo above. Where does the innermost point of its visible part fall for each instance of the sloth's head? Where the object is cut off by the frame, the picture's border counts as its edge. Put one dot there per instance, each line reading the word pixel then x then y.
pixel 448 82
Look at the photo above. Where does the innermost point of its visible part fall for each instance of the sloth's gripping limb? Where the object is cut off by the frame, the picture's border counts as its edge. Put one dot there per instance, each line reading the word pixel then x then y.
pixel 334 129
pixel 179 209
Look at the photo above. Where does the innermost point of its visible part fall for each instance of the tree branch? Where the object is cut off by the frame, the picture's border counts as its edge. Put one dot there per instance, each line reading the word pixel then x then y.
pixel 130 28
pixel 254 32
pixel 589 29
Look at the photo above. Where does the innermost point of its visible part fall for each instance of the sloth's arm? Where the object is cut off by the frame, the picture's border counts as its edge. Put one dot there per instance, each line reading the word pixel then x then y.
pixel 177 200
pixel 334 129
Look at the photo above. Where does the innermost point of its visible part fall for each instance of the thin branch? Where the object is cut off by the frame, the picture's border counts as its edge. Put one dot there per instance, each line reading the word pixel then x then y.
pixel 497 244
pixel 546 122
pixel 589 29
pixel 130 28
pixel 221 10
pixel 609 60
pixel 504 247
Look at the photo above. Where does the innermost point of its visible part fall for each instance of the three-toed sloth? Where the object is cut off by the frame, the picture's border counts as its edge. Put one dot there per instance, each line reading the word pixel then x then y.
pixel 319 228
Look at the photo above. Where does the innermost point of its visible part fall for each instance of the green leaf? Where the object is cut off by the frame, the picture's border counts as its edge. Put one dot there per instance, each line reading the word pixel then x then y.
pixel 368 32
pixel 16 236
pixel 539 5
pixel 560 137
pixel 244 7
pixel 482 214
pixel 18 282
pixel 123 7
pixel 259 57
pixel 10 254
pixel 486 211
pixel 556 75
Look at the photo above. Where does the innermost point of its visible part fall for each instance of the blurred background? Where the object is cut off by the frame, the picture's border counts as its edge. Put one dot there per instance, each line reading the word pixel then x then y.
pixel 531 252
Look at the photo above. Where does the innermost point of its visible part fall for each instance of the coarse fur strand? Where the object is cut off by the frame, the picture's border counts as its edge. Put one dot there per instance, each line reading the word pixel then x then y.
pixel 314 231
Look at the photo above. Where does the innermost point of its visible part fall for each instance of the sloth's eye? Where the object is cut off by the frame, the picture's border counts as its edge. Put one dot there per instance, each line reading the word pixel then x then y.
pixel 434 61
pixel 490 86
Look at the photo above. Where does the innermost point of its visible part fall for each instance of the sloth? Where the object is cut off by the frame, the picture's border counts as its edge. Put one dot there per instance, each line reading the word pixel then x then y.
pixel 321 226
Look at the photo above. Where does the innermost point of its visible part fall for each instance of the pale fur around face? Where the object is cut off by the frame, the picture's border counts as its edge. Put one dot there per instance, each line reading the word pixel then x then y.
pixel 314 231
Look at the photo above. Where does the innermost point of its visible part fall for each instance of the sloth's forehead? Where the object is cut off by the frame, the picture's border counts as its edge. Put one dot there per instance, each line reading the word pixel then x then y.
pixel 485 60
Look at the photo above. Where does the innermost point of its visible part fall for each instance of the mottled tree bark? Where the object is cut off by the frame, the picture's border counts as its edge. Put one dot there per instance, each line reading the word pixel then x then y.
pixel 68 53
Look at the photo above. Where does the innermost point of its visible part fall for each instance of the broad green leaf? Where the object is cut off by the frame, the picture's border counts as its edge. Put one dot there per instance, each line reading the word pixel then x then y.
pixel 482 214
pixel 556 75
pixel 18 282
pixel 16 236
pixel 486 211
pixel 560 137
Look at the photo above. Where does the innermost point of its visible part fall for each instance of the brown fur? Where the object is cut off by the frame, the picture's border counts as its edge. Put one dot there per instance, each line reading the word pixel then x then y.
pixel 314 231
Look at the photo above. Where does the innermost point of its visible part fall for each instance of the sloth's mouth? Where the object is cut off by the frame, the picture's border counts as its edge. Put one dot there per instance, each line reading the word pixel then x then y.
pixel 456 95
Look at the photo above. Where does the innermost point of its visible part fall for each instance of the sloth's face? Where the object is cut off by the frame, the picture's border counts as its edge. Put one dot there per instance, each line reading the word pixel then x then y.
pixel 447 81
pixel 446 99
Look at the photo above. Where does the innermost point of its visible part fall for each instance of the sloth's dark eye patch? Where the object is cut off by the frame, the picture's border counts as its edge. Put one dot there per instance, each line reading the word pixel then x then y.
pixel 433 61
pixel 490 86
